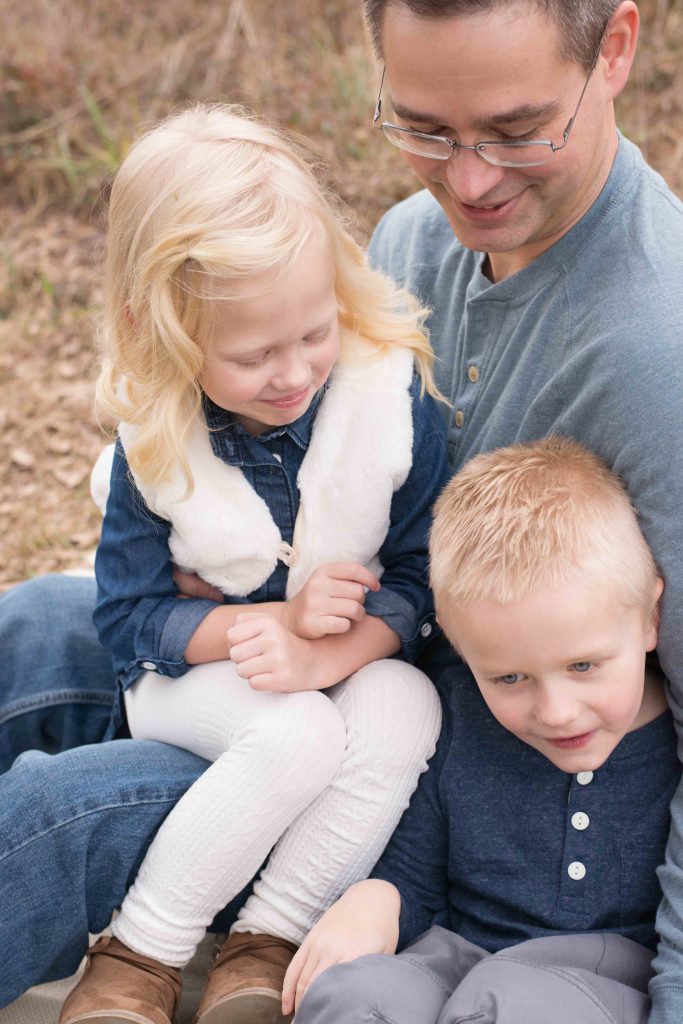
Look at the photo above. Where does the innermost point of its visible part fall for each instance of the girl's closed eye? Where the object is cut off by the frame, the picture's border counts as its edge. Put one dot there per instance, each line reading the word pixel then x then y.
pixel 251 363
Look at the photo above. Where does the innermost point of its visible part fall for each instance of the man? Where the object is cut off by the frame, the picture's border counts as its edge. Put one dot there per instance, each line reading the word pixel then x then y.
pixel 551 256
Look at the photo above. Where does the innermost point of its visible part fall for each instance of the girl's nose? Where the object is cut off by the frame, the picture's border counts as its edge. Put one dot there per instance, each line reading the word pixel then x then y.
pixel 293 372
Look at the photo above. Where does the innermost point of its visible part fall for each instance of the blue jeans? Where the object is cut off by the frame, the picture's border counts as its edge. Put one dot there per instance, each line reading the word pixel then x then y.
pixel 74 826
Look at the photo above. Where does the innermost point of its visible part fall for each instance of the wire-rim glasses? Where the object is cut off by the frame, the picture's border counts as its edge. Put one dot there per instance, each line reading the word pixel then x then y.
pixel 522 153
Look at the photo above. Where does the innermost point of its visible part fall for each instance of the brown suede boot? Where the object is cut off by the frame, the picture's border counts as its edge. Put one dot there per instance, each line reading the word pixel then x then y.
pixel 120 985
pixel 245 981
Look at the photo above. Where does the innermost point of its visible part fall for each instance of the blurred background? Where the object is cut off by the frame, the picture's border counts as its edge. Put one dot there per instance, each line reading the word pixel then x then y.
pixel 77 78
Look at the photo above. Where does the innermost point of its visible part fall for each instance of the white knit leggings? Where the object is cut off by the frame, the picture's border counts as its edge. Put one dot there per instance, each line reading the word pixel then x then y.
pixel 321 776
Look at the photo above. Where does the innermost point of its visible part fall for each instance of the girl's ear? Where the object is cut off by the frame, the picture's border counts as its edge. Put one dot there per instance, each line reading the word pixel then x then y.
pixel 653 631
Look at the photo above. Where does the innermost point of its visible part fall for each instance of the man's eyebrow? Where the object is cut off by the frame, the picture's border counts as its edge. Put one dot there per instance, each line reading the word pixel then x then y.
pixel 526 112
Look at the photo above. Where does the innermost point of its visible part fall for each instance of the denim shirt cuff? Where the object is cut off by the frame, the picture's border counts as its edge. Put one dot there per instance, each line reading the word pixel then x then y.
pixel 399 614
pixel 169 657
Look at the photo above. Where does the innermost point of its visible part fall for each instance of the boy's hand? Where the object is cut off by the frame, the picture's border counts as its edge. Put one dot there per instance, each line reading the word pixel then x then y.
pixel 331 599
pixel 269 656
pixel 364 920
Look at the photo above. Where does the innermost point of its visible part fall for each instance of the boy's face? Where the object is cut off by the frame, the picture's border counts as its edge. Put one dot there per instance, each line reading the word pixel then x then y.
pixel 563 669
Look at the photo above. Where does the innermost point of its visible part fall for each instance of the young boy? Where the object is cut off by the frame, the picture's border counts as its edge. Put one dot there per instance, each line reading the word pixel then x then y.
pixel 526 862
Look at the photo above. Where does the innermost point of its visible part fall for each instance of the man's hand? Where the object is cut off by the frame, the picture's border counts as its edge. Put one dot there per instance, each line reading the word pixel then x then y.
pixel 364 920
pixel 331 599
pixel 191 585
pixel 269 656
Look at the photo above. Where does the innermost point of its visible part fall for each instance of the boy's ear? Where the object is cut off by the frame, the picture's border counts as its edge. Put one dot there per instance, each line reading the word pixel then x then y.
pixel 653 631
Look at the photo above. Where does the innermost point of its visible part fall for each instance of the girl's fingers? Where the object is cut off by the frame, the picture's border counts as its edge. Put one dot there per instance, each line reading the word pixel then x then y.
pixel 352 572
pixel 246 650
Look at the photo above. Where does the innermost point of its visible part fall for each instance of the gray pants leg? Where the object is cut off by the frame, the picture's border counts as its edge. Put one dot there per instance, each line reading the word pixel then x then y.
pixel 410 988
pixel 594 979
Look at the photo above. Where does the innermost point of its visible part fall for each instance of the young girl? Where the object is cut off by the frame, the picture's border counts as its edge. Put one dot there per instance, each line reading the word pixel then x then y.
pixel 276 441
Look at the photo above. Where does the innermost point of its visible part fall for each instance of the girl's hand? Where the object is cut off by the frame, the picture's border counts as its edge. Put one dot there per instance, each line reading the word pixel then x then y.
pixel 364 920
pixel 331 599
pixel 269 656
pixel 191 585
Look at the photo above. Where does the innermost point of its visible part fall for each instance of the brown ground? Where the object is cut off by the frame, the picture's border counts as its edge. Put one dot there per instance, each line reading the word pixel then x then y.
pixel 76 78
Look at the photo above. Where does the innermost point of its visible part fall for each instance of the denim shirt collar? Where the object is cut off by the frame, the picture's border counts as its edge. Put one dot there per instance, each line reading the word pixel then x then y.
pixel 231 443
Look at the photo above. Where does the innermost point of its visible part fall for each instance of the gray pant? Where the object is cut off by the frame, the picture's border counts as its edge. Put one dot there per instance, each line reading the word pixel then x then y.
pixel 444 979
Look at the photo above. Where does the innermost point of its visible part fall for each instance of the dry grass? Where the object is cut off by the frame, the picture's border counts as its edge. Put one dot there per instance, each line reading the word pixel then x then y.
pixel 76 79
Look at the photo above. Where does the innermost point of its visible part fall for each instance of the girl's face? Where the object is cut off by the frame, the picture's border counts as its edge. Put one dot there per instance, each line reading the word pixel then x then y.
pixel 274 347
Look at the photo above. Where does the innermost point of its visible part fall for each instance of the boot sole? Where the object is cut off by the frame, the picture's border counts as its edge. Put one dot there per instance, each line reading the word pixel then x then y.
pixel 109 1017
pixel 256 1006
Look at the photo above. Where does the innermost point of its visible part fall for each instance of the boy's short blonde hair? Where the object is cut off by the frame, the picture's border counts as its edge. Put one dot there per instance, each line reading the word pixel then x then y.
pixel 537 514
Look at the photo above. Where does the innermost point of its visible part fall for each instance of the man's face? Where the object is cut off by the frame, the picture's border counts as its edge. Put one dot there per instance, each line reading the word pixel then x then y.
pixel 496 76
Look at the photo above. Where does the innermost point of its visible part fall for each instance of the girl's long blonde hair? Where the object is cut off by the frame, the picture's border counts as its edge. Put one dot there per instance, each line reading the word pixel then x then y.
pixel 209 196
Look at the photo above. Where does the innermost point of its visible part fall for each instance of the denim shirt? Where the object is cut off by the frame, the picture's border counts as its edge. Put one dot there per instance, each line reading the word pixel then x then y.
pixel 146 626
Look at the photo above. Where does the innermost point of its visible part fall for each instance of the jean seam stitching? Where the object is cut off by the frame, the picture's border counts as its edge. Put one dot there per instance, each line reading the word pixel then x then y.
pixel 28 704
pixel 87 814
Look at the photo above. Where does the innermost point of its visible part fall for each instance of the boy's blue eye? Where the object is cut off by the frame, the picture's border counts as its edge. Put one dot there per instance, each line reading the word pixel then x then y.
pixel 581 666
pixel 510 678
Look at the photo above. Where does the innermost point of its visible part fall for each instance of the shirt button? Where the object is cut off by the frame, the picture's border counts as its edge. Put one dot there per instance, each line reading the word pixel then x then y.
pixel 459 418
pixel 426 629
pixel 584 778
pixel 576 870
pixel 149 666
pixel 473 374
pixel 580 821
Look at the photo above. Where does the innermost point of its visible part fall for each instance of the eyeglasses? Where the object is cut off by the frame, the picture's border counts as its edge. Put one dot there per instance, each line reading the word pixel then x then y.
pixel 522 153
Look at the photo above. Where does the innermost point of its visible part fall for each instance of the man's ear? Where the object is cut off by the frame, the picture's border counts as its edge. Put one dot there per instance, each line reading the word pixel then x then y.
pixel 619 47
pixel 653 631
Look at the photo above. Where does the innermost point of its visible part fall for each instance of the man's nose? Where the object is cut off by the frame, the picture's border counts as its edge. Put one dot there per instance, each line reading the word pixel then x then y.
pixel 471 178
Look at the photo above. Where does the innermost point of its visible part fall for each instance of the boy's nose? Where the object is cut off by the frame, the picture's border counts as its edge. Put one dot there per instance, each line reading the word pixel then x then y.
pixel 557 706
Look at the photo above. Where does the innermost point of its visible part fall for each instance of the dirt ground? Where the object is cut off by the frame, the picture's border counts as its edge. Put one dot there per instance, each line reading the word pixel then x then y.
pixel 72 92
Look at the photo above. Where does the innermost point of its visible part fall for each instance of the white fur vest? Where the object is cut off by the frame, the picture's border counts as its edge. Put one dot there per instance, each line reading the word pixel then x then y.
pixel 360 453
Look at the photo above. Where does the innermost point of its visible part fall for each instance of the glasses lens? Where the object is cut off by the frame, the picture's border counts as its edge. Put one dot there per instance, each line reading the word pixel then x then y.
pixel 419 145
pixel 506 155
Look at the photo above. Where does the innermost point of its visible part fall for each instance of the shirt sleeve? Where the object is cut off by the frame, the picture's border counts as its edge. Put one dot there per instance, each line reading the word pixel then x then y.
pixel 139 616
pixel 404 601
pixel 416 858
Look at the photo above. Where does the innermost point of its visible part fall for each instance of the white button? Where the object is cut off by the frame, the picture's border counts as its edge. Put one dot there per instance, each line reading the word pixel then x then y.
pixel 583 778
pixel 276 456
pixel 426 629
pixel 149 666
pixel 580 821
pixel 576 870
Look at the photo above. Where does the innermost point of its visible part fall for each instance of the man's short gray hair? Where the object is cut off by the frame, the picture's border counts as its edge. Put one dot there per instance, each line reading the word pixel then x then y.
pixel 581 22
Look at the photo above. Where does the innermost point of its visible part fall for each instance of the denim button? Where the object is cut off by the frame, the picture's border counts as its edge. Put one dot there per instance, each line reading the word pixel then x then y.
pixel 149 666
pixel 584 778
pixel 426 629
pixel 576 870
pixel 473 374
pixel 459 418
pixel 580 821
